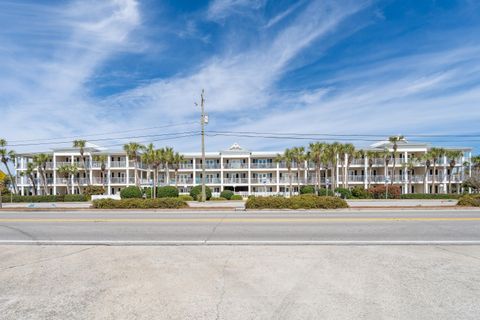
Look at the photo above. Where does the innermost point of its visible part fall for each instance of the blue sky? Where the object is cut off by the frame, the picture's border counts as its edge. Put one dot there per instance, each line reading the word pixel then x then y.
pixel 78 68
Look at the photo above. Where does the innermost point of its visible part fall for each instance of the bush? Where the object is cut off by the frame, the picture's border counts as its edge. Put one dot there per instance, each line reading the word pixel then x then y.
pixel 185 197
pixel 227 194
pixel 378 192
pixel 196 192
pixel 133 203
pixel 306 201
pixel 307 189
pixel 344 192
pixel 131 192
pixel 218 199
pixel 430 196
pixel 46 198
pixel 167 192
pixel 359 192
pixel 236 197
pixel 75 197
pixel 325 192
pixel 89 191
pixel 469 201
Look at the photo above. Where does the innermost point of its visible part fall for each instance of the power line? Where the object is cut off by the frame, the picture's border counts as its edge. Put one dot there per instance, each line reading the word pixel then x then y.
pixel 104 133
pixel 103 139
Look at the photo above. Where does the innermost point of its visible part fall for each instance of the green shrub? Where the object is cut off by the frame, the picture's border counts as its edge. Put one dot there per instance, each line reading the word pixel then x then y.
pixel 218 199
pixel 227 194
pixel 344 193
pixel 236 197
pixel 167 192
pixel 75 197
pixel 306 201
pixel 469 201
pixel 131 192
pixel 359 192
pixel 46 198
pixel 307 189
pixel 378 192
pixel 185 197
pixel 133 203
pixel 196 192
pixel 89 191
pixel 325 192
pixel 430 196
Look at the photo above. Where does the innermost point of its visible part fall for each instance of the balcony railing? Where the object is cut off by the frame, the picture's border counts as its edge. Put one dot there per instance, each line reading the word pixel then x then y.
pixel 267 165
pixel 236 180
pixel 118 164
pixel 235 165
pixel 263 180
pixel 209 166
pixel 118 180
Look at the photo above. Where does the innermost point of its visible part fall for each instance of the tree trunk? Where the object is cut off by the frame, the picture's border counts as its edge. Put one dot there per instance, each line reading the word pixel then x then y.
pixel 298 176
pixel 433 176
pixel 290 181
pixel 318 174
pixel 393 169
pixel 14 185
pixel 176 178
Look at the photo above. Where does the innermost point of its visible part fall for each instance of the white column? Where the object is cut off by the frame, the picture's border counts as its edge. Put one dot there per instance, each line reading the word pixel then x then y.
pixel 72 158
pixel 336 175
pixel 221 172
pixel 405 173
pixel 305 174
pixel 249 176
pixel 365 172
pixel 278 177
pixel 444 178
pixel 195 171
pixel 127 161
pixel 109 160
pixel 345 173
pixel 469 168
pixel 90 166
pixel 54 174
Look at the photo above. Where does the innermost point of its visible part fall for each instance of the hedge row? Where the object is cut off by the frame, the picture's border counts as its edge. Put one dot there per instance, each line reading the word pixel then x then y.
pixel 306 201
pixel 430 196
pixel 159 203
pixel 47 198
pixel 469 200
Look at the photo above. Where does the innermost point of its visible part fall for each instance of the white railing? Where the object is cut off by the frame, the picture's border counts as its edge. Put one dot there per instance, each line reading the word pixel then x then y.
pixel 267 165
pixel 263 180
pixel 118 164
pixel 118 180
pixel 235 180
pixel 209 166
pixel 235 165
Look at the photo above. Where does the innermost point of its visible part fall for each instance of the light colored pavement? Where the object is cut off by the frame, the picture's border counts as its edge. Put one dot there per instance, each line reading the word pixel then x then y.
pixel 239 282
pixel 281 227
pixel 401 203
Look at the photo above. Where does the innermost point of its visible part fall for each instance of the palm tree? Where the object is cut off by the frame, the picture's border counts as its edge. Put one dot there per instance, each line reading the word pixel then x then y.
pixel 426 158
pixel 80 144
pixel 29 173
pixel 298 155
pixel 436 154
pixel 68 171
pixel 371 155
pixel 349 150
pixel 475 160
pixel 148 157
pixel 452 156
pixel 132 149
pixel 385 155
pixel 288 158
pixel 394 141
pixel 40 160
pixel 168 159
pixel 103 165
pixel 6 157
pixel 332 152
pixel 176 161
pixel 158 161
pixel 316 154
pixel 409 166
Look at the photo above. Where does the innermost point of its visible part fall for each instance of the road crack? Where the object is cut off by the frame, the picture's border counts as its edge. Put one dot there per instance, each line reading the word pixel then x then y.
pixel 223 291
pixel 46 259
pixel 28 235
pixel 458 253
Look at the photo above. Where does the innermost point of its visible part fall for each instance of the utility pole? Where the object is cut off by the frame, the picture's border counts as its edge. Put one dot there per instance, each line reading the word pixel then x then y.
pixel 202 121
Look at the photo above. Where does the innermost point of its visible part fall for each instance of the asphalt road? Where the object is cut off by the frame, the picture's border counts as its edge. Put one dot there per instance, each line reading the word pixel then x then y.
pixel 123 228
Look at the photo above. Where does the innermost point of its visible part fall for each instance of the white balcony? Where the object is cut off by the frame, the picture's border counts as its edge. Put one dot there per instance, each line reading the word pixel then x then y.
pixel 263 180
pixel 267 165
pixel 118 164
pixel 235 180
pixel 118 180
pixel 235 165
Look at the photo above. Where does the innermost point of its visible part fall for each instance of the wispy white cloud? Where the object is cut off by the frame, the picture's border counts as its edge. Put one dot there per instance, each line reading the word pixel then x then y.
pixel 218 10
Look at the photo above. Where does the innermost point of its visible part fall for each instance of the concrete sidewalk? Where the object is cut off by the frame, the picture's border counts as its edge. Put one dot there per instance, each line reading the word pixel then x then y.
pixel 229 282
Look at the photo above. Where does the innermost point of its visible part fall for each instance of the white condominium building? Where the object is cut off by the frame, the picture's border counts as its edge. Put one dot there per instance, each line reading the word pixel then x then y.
pixel 247 172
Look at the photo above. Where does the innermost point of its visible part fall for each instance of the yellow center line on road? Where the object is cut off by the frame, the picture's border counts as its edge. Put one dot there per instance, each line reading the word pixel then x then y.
pixel 233 220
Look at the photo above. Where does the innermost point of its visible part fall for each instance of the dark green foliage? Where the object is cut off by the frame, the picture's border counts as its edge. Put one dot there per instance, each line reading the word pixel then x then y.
pixel 167 192
pixel 196 192
pixel 218 199
pixel 131 192
pixel 89 191
pixel 236 197
pixel 307 201
pixel 344 193
pixel 161 203
pixel 469 201
pixel 307 189
pixel 185 197
pixel 430 196
pixel 47 198
pixel 75 197
pixel 359 192
pixel 378 192
pixel 227 194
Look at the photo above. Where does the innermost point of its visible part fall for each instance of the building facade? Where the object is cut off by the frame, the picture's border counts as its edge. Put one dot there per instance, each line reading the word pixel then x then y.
pixel 246 172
